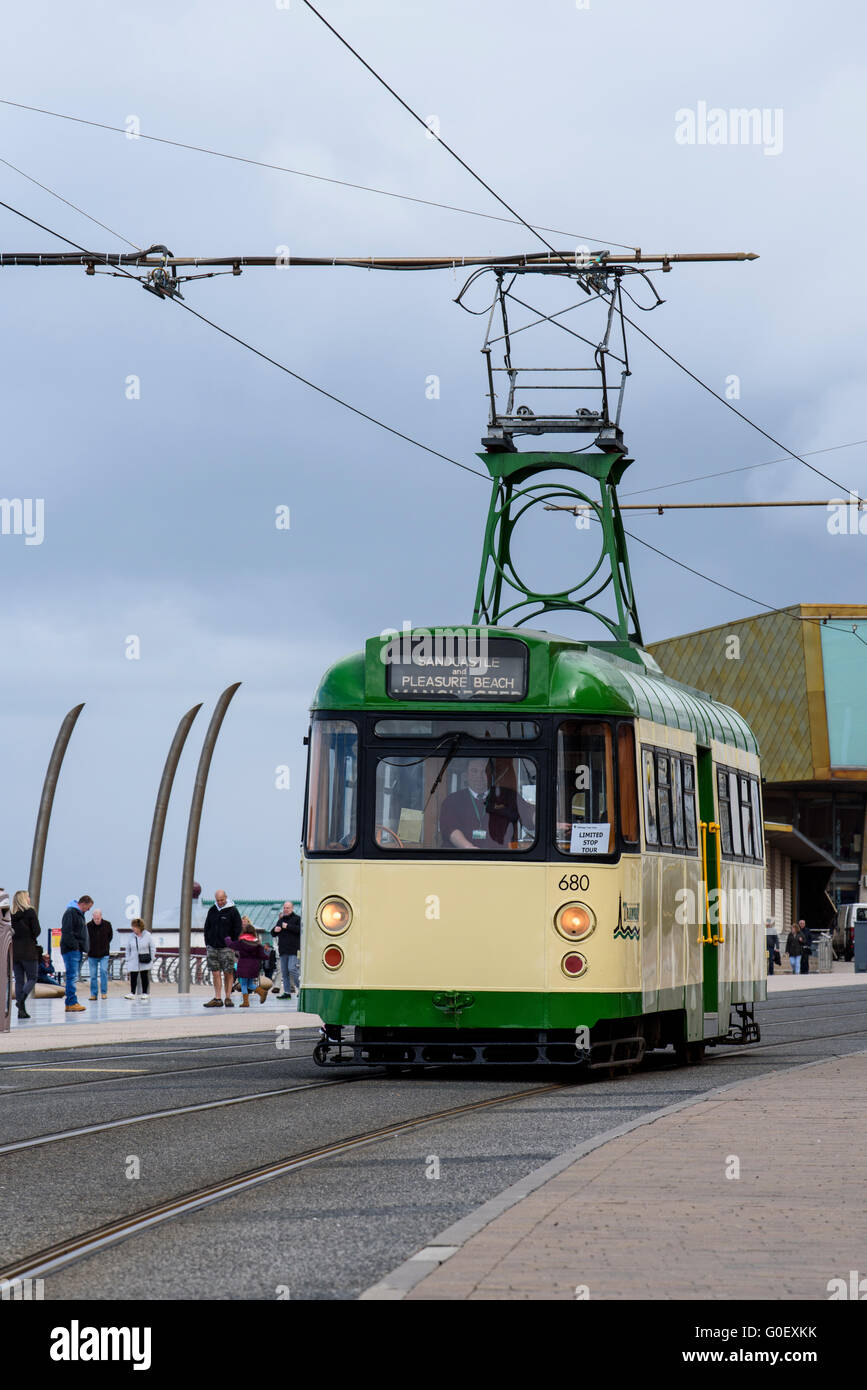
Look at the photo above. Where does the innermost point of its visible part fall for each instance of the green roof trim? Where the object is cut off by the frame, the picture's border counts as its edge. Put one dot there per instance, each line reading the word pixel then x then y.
pixel 587 678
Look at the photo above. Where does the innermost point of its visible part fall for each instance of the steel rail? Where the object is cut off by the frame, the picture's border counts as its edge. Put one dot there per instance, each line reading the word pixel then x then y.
pixel 64 1061
pixel 65 1252
pixel 179 1071
pixel 59 1135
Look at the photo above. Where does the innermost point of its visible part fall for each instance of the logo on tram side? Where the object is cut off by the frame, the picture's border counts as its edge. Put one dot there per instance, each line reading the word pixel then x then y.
pixel 630 913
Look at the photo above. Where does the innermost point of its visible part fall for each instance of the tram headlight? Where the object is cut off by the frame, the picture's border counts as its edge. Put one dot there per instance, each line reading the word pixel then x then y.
pixel 574 921
pixel 334 916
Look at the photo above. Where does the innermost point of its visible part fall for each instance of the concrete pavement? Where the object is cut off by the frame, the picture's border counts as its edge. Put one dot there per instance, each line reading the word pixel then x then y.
pixel 692 1205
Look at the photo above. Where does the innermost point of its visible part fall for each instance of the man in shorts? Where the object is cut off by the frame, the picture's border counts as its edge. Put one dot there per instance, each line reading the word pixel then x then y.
pixel 223 920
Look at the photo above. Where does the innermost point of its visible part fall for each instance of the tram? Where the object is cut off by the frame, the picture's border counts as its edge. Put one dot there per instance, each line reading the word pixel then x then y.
pixel 533 851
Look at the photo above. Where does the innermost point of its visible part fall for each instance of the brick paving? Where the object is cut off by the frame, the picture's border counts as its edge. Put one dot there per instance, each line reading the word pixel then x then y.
pixel 651 1214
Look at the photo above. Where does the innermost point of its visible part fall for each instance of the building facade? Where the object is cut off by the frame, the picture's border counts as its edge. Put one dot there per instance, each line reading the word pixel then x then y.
pixel 799 677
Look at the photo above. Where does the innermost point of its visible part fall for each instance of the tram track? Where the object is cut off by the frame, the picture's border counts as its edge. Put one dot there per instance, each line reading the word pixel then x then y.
pixel 36 1140
pixel 176 1071
pixel 79 1246
pixel 65 1252
pixel 64 1061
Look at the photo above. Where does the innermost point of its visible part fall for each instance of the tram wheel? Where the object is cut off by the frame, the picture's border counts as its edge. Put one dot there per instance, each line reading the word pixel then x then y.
pixel 688 1054
pixel 320 1054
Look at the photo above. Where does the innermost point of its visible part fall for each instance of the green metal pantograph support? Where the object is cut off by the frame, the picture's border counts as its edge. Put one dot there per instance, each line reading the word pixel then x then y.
pixel 502 597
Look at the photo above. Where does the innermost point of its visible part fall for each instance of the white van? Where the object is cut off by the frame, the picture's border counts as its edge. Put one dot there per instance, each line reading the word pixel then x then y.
pixel 843 940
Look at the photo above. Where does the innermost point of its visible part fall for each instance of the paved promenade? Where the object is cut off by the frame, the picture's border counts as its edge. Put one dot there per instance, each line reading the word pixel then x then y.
pixel 653 1213
pixel 168 1015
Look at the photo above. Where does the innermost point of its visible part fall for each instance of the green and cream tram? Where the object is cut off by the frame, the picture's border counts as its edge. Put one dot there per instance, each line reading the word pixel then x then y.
pixel 548 854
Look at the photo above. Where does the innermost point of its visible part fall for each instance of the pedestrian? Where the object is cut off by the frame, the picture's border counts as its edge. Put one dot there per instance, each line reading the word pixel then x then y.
pixel 269 968
pixel 287 932
pixel 46 974
pixel 223 920
pixel 139 957
pixel 73 947
pixel 100 933
pixel 251 953
pixel 772 944
pixel 807 950
pixel 794 947
pixel 25 949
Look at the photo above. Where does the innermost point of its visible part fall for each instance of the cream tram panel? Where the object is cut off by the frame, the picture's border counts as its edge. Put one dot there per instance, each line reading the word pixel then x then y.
pixel 441 925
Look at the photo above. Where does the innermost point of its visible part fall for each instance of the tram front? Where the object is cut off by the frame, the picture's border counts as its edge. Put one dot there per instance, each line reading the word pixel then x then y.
pixel 465 861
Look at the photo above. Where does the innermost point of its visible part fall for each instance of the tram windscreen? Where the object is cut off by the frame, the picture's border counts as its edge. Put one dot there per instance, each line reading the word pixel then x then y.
pixel 585 786
pixel 461 804
pixel 332 795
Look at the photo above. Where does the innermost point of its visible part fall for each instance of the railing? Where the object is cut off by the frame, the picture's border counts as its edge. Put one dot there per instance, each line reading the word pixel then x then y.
pixel 164 969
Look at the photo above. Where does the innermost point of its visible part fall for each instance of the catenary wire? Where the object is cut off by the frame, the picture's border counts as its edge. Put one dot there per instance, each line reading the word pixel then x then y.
pixel 258 353
pixel 373 420
pixel 303 174
pixel 745 468
pixel 535 232
pixel 74 206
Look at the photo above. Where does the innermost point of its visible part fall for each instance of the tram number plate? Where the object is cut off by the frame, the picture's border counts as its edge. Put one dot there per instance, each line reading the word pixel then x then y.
pixel 574 883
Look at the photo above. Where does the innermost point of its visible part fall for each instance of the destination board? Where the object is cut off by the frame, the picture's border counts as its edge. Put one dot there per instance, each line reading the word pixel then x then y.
pixel 496 671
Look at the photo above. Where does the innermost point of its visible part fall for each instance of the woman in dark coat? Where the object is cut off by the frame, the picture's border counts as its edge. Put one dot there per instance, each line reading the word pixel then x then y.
pixel 25 950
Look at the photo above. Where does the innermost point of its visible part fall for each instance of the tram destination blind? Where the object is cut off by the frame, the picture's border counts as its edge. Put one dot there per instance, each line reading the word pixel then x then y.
pixel 495 671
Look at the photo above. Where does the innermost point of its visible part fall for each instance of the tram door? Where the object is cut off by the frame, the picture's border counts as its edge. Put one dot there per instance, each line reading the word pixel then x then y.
pixel 708 913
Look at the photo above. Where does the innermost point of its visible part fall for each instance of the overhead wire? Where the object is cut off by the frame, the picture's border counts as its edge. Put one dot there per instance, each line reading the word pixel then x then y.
pixel 530 228
pixel 74 206
pixel 338 400
pixel 745 468
pixel 370 418
pixel 305 174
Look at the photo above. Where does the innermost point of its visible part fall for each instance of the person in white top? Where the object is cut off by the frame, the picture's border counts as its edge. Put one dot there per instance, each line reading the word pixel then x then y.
pixel 139 955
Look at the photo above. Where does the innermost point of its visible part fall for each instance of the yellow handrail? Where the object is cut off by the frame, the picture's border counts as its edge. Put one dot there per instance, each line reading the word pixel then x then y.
pixel 718 940
pixel 704 938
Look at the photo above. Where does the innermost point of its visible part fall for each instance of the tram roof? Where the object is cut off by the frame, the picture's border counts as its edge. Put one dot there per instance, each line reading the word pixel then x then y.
pixel 564 675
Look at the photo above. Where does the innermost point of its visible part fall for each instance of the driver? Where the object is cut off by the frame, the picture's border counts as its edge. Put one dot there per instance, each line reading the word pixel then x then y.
pixel 479 816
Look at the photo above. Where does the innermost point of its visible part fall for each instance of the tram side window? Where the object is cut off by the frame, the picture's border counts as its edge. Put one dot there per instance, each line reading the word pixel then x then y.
pixel 332 797
pixel 627 782
pixel 740 816
pixel 758 839
pixel 689 803
pixel 725 815
pixel 663 799
pixel 669 800
pixel 585 786
pixel 750 847
pixel 737 841
pixel 677 802
pixel 648 769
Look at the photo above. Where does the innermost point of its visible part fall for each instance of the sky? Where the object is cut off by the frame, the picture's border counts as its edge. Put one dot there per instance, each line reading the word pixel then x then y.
pixel 159 520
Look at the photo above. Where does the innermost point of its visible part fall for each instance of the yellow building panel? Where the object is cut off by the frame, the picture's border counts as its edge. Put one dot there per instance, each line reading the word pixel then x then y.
pixel 759 667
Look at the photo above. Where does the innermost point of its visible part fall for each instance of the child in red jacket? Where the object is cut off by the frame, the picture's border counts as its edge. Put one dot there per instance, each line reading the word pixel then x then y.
pixel 250 957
